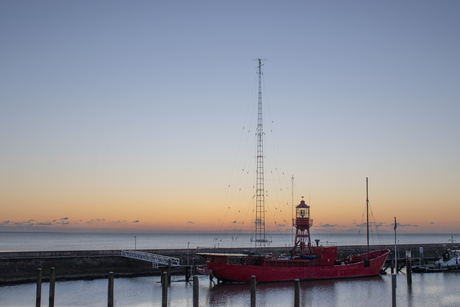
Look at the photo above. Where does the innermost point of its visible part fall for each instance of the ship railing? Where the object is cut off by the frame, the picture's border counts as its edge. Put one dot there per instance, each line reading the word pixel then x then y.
pixel 221 250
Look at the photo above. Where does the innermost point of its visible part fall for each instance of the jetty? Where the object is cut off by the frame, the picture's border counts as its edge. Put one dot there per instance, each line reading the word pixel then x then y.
pixel 21 267
pixel 155 259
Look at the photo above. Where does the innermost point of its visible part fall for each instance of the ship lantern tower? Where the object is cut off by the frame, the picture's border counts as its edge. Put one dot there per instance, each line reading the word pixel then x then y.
pixel 302 224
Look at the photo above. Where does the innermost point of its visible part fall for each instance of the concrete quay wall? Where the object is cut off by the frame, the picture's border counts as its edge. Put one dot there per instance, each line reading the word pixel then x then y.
pixel 21 267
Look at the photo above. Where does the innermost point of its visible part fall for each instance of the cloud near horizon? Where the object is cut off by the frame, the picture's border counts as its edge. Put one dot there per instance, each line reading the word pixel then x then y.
pixel 405 225
pixel 379 224
pixel 327 225
pixel 61 222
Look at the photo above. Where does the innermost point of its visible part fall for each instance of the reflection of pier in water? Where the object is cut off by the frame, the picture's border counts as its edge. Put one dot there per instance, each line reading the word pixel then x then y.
pixel 312 292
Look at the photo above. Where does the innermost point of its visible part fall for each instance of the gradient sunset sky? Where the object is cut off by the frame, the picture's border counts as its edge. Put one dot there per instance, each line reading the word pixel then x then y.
pixel 134 115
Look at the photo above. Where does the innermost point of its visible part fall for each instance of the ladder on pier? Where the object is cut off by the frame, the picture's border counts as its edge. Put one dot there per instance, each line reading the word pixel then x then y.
pixel 154 258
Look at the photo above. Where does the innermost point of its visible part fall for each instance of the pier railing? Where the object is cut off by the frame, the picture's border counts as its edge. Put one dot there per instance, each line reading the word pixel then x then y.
pixel 154 258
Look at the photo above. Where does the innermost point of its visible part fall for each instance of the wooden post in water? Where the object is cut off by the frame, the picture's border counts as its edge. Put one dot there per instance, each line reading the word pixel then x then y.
pixel 297 293
pixel 110 292
pixel 52 288
pixel 38 300
pixel 393 290
pixel 195 291
pixel 253 291
pixel 409 267
pixel 187 273
pixel 164 289
pixel 169 272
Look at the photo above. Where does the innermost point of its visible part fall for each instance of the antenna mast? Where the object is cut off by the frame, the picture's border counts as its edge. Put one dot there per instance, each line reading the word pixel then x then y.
pixel 260 190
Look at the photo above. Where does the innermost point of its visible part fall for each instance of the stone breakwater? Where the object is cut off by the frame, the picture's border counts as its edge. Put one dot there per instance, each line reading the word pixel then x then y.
pixel 21 267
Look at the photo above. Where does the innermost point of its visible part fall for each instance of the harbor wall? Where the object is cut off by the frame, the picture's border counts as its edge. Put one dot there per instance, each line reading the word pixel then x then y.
pixel 21 267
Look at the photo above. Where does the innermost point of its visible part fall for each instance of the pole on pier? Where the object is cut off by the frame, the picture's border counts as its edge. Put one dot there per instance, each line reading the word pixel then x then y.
pixel 38 300
pixel 169 272
pixel 164 289
pixel 195 291
pixel 194 267
pixel 393 290
pixel 409 267
pixel 297 293
pixel 421 255
pixel 110 291
pixel 396 250
pixel 52 287
pixel 188 253
pixel 253 291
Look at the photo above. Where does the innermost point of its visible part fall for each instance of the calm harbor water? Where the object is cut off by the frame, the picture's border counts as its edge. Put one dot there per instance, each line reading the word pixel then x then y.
pixel 53 241
pixel 437 289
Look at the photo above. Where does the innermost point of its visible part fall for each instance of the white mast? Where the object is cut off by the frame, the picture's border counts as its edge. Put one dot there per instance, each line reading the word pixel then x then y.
pixel 260 190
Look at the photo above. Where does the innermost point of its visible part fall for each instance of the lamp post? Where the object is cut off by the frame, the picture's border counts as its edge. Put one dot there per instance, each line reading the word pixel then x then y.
pixel 135 242
pixel 188 252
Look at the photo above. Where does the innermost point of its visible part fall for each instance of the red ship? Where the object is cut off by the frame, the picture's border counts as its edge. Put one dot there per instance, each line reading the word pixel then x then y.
pixel 313 262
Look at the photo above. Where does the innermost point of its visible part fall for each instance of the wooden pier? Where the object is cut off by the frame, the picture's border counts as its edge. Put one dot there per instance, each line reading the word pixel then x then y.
pixel 21 267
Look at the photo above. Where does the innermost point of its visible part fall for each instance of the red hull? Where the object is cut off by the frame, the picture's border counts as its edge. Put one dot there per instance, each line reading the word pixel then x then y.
pixel 268 270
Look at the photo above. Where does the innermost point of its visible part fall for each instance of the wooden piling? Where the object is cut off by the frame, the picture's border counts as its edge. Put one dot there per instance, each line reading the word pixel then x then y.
pixel 164 289
pixel 52 287
pixel 169 272
pixel 393 290
pixel 187 273
pixel 253 291
pixel 408 267
pixel 195 292
pixel 38 300
pixel 297 293
pixel 110 291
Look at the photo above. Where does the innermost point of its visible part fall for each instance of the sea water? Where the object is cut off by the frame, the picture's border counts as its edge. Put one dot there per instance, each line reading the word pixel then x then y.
pixel 54 241
pixel 435 289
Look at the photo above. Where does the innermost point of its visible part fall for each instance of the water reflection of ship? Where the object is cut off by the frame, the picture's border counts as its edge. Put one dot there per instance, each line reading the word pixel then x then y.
pixel 274 294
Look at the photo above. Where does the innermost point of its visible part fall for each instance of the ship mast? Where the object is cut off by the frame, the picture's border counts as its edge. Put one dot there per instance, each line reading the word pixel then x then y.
pixel 366 264
pixel 260 190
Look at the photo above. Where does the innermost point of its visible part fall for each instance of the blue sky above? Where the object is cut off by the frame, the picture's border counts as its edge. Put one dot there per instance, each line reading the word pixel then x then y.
pixel 148 98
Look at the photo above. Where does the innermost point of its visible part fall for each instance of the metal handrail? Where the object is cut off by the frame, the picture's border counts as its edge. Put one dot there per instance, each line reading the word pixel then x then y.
pixel 154 258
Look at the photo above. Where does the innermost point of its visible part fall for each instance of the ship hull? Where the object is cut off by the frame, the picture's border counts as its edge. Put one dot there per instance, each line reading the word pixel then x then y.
pixel 288 270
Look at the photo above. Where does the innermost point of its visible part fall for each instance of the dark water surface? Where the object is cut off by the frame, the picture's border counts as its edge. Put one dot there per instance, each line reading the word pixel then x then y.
pixel 437 289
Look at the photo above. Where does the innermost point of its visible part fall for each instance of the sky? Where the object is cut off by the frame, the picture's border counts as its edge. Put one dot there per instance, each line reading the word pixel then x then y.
pixel 141 115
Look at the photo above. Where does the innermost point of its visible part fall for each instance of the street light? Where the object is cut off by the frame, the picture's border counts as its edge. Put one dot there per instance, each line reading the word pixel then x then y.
pixel 135 242
pixel 188 249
